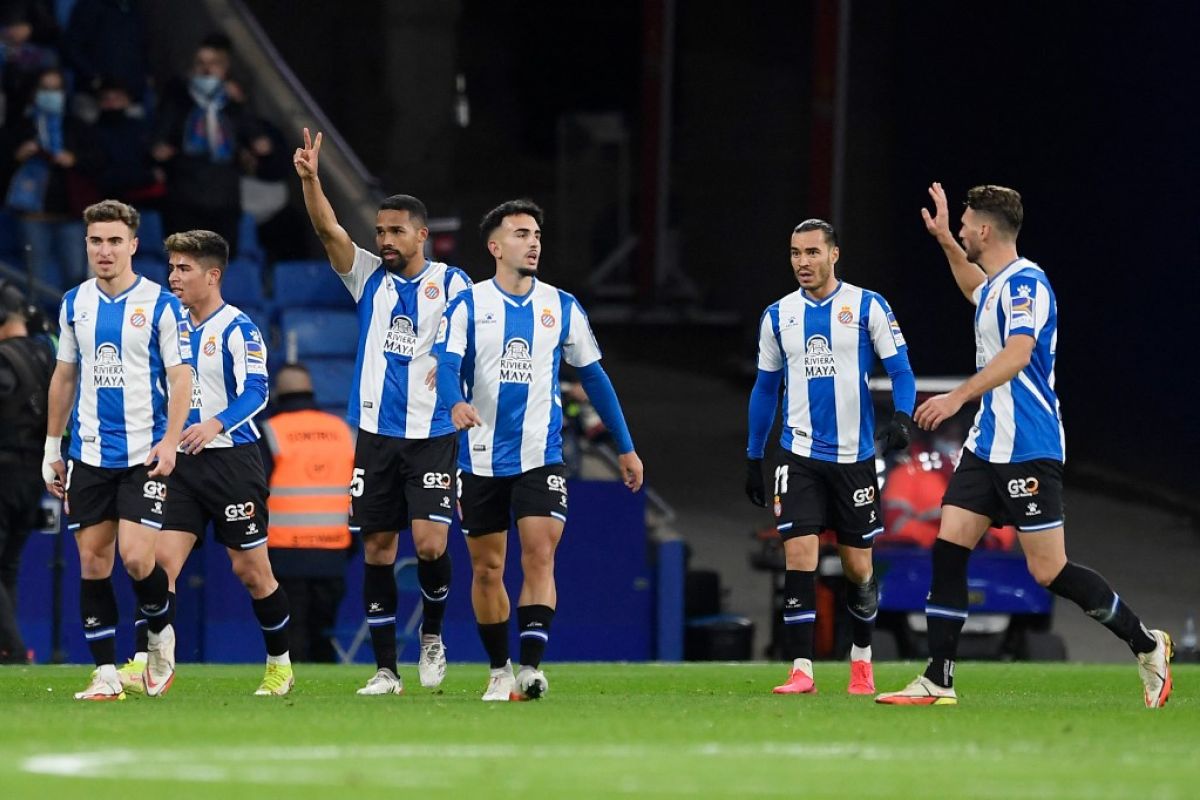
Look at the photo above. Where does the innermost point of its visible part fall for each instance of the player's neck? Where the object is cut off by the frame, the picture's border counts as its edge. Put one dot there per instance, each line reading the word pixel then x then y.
pixel 203 309
pixel 414 266
pixel 994 261
pixel 824 291
pixel 118 283
pixel 512 282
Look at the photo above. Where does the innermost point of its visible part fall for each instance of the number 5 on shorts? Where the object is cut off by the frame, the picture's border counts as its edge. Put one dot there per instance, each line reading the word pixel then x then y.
pixel 356 483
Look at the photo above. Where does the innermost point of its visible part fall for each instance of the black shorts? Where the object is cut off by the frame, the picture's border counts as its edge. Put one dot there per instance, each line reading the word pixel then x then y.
pixel 812 495
pixel 99 494
pixel 222 485
pixel 485 502
pixel 398 480
pixel 1027 494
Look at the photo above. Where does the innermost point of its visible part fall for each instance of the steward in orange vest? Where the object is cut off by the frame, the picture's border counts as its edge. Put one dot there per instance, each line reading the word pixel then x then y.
pixel 309 458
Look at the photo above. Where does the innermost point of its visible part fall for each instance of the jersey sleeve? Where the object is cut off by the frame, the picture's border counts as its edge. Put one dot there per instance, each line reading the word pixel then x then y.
pixel 249 357
pixel 884 330
pixel 580 347
pixel 1026 306
pixel 770 356
pixel 172 332
pixel 456 282
pixel 452 333
pixel 68 346
pixel 977 293
pixel 363 267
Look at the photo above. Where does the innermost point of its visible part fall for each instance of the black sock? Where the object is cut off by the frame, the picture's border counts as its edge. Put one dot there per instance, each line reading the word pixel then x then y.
pixel 273 616
pixel 1092 593
pixel 946 609
pixel 799 613
pixel 534 624
pixel 494 636
pixel 862 601
pixel 141 633
pixel 379 603
pixel 154 601
pixel 98 609
pixel 434 577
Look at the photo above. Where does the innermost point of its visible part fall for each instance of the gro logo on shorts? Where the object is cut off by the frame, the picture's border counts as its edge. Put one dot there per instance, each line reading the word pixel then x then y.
pixel 239 512
pixel 864 497
pixel 1023 487
pixel 436 480
pixel 154 490
pixel 556 483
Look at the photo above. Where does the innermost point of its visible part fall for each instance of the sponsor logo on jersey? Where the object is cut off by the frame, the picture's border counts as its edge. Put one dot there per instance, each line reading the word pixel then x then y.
pixel 197 395
pixel 401 338
pixel 548 320
pixel 108 372
pixel 864 497
pixel 845 316
pixel 897 336
pixel 185 341
pixel 239 512
pixel 436 480
pixel 1022 307
pixel 443 326
pixel 790 322
pixel 256 359
pixel 138 318
pixel 488 319
pixel 556 483
pixel 1023 487
pixel 818 358
pixel 516 365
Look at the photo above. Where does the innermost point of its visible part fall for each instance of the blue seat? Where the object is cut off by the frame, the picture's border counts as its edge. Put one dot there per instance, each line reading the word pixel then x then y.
pixel 310 284
pixel 262 318
pixel 332 379
pixel 153 268
pixel 12 245
pixel 151 235
pixel 242 283
pixel 248 247
pixel 318 333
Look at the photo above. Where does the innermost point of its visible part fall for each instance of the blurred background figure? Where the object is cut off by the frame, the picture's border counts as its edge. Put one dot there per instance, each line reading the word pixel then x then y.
pixel 309 457
pixel 119 141
pixel 106 39
pixel 26 363
pixel 21 59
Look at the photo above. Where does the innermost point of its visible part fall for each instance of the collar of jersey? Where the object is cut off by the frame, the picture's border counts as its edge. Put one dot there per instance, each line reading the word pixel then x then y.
pixel 122 295
pixel 204 321
pixel 819 303
pixel 414 278
pixel 512 299
pixel 1007 267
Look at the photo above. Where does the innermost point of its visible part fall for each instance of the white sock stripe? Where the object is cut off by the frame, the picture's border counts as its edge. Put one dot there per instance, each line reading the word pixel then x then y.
pixel 277 627
pixel 159 613
pixel 863 619
pixel 545 637
pixel 941 611
pixel 373 621
pixel 1112 610
pixel 102 633
pixel 434 599
pixel 803 616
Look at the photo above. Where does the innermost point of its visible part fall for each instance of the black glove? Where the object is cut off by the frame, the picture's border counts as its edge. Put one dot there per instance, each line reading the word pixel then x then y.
pixel 756 490
pixel 897 433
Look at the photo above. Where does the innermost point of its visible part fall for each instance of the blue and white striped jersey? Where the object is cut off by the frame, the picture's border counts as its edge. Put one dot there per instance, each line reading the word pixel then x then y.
pixel 398 318
pixel 511 349
pixel 1021 420
pixel 123 347
pixel 828 348
pixel 229 374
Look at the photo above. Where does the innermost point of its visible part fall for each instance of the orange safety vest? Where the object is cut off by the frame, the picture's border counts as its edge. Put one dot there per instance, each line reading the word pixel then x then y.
pixel 310 495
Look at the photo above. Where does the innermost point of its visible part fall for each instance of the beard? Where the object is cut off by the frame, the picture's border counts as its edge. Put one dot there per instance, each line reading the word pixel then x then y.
pixel 527 272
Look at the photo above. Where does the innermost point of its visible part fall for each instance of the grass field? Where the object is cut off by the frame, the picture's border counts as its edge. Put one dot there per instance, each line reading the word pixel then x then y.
pixel 703 730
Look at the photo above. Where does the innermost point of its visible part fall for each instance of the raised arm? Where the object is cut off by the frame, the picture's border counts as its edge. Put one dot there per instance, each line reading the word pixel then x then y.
pixel 967 275
pixel 338 245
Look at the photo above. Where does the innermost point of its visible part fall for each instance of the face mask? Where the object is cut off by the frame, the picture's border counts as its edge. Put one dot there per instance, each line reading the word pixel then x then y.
pixel 112 116
pixel 50 101
pixel 206 85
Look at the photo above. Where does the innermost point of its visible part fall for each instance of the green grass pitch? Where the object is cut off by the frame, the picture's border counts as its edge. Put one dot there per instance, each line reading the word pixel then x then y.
pixel 604 730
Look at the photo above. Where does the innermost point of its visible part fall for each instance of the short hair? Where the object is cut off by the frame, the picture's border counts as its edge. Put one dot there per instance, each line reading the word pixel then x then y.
pixel 406 202
pixel 1001 204
pixel 203 245
pixel 814 224
pixel 216 40
pixel 494 218
pixel 113 211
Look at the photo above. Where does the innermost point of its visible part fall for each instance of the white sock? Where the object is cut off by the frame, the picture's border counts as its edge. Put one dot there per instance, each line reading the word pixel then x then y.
pixel 860 653
pixel 803 664
pixel 283 660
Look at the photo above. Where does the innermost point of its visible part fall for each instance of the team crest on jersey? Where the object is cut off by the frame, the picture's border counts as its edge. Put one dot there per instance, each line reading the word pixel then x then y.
pixel 138 318
pixel 818 358
pixel 548 320
pixel 108 372
pixel 197 397
pixel 432 291
pixel 401 337
pixel 895 326
pixel 516 365
pixel 845 316
pixel 210 347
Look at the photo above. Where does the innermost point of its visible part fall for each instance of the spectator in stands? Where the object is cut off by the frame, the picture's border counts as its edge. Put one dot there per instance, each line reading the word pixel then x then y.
pixel 47 190
pixel 21 60
pixel 201 126
pixel 309 457
pixel 119 141
pixel 107 39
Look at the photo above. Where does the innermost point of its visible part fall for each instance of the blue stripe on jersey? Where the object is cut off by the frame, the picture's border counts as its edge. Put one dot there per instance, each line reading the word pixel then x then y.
pixel 822 397
pixel 785 436
pixel 158 374
pixel 555 426
pixel 365 311
pixel 866 359
pixel 76 449
pixel 230 381
pixel 393 413
pixel 512 396
pixel 467 372
pixel 110 400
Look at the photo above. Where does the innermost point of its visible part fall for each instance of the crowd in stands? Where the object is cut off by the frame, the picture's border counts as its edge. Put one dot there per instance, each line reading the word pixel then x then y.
pixel 82 119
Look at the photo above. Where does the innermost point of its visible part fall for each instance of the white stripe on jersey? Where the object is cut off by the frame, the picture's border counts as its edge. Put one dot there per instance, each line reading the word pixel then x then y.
pixel 227 349
pixel 122 347
pixel 398 320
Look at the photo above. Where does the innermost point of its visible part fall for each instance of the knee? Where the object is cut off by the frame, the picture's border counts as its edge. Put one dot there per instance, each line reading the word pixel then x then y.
pixel 857 571
pixel 254 577
pixel 1044 571
pixel 429 551
pixel 93 565
pixel 379 548
pixel 538 559
pixel 489 573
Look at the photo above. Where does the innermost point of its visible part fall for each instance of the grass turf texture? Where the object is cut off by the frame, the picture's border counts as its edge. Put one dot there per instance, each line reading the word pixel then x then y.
pixel 704 730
